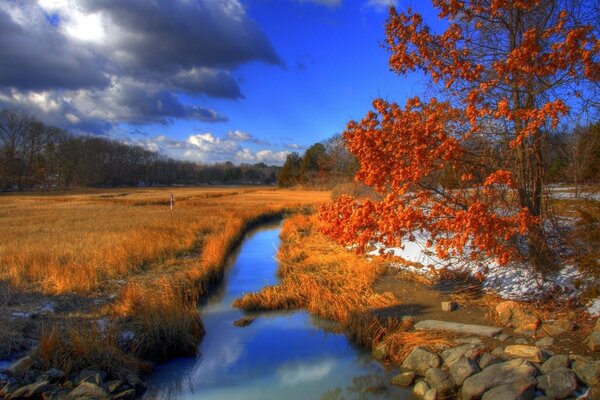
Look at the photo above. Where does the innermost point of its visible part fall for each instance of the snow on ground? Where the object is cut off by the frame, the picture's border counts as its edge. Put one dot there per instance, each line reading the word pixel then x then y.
pixel 515 281
pixel 568 192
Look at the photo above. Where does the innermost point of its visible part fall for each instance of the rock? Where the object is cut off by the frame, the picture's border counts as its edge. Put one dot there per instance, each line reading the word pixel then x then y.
pixel 498 352
pixel 566 323
pixel 525 332
pixel 89 390
pixel 503 337
pixel 3 379
pixel 54 375
pixel 559 384
pixel 439 380
pixel 420 360
pixel 593 341
pixel 521 341
pixel 555 362
pixel 511 314
pixel 92 376
pixel 113 386
pixel 552 329
pixel 529 353
pixel 31 390
pixel 462 369
pixel 56 394
pixel 486 360
pixel 469 340
pixel 519 389
pixel 463 329
pixel 244 321
pixel 588 372
pixel 421 388
pixel 11 385
pixel 449 305
pixel 545 343
pixel 20 367
pixel 431 394
pixel 31 376
pixel 495 375
pixel 404 379
pixel 452 355
pixel 597 326
pixel 380 351
pixel 128 394
pixel 542 398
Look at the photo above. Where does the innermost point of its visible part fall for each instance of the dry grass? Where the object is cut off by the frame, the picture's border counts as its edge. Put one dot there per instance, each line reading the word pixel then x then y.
pixel 336 284
pixel 82 243
pixel 76 348
pixel 73 242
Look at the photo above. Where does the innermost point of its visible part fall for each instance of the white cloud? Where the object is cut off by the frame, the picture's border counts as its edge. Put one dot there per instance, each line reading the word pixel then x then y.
pixel 239 135
pixel 381 5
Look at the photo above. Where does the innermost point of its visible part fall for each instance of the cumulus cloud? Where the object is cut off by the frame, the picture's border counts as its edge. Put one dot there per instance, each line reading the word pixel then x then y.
pixel 381 5
pixel 208 147
pixel 101 62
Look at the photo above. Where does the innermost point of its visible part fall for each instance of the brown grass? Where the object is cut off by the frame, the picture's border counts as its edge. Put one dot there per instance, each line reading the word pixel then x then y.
pixel 83 242
pixel 336 284
pixel 76 348
pixel 74 242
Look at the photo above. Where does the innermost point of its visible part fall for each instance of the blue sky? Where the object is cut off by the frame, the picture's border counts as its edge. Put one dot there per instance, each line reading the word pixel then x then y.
pixel 205 80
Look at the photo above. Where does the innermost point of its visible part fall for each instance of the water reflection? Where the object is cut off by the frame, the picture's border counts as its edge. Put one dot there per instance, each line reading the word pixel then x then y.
pixel 280 355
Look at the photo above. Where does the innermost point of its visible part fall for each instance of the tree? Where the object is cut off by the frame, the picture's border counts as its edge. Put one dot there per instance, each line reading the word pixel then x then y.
pixel 505 71
pixel 290 172
pixel 314 163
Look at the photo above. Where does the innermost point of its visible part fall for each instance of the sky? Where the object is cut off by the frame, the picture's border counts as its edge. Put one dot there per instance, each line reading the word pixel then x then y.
pixel 200 80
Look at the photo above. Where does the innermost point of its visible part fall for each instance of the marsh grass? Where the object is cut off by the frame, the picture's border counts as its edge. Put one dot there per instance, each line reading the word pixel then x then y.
pixel 336 284
pixel 83 242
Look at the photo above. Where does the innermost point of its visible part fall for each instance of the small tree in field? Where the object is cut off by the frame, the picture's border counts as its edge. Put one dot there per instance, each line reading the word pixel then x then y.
pixel 506 72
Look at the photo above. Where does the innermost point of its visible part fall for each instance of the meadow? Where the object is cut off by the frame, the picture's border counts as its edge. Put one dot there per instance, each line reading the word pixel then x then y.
pixel 124 257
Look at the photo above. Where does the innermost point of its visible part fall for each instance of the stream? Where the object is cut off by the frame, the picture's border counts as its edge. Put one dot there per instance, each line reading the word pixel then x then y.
pixel 281 355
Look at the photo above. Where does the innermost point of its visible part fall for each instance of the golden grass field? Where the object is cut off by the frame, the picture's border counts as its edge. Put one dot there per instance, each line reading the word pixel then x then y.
pixel 128 246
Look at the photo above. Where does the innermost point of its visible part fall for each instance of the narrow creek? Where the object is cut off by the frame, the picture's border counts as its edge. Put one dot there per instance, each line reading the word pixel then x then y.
pixel 281 355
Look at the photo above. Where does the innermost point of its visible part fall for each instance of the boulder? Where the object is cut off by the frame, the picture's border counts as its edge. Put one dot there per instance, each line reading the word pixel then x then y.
pixel 559 384
pixel 470 351
pixel 552 329
pixel 439 380
pixel 92 376
pixel 56 394
pixel 431 394
pixel 461 329
pixel 449 305
pixel 511 314
pixel 31 390
pixel 545 343
pixel 11 385
pixel 555 362
pixel 529 353
pixel 462 369
pixel 469 340
pixel 20 367
pixel 113 386
pixel 486 360
pixel 587 371
pixel 518 389
pixel 420 360
pixel 498 352
pixel 521 341
pixel 495 375
pixel 593 341
pixel 404 379
pixel 503 337
pixel 89 390
pixel 421 388
pixel 54 375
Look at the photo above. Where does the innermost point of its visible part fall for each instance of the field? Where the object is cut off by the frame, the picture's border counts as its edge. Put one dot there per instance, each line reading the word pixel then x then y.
pixel 121 256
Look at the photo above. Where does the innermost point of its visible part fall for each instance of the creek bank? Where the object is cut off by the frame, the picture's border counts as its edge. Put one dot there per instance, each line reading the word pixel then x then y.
pixel 25 379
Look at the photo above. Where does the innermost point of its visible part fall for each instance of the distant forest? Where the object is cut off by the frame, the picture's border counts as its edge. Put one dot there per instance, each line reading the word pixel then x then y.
pixel 33 155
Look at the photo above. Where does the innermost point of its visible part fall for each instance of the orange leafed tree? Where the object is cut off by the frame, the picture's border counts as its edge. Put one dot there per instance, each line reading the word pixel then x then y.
pixel 466 170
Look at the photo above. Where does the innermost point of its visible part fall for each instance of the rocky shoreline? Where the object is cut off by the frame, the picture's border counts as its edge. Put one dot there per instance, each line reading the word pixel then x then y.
pixel 517 371
pixel 24 380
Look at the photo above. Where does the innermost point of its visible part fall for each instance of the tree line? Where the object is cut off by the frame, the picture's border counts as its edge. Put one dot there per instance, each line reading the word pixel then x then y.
pixel 34 155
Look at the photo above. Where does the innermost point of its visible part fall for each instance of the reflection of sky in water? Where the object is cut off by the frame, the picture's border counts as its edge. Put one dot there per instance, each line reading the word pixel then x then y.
pixel 279 355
